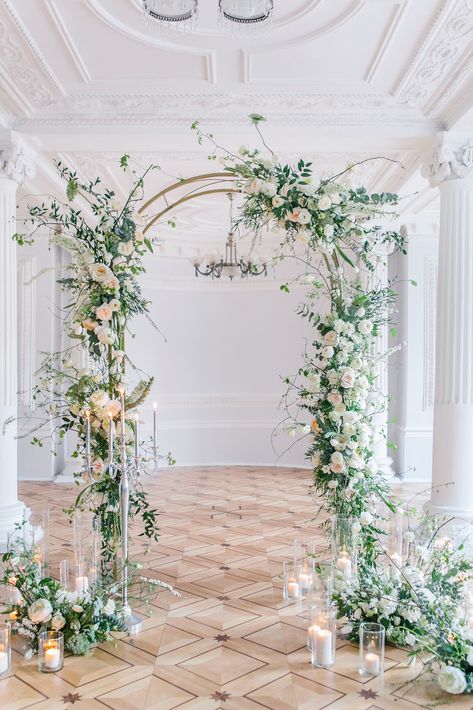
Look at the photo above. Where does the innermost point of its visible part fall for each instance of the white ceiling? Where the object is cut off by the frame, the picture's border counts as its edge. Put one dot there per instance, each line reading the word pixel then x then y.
pixel 86 80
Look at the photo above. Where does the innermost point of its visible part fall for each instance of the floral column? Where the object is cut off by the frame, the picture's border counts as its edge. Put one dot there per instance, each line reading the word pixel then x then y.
pixel 13 170
pixel 451 168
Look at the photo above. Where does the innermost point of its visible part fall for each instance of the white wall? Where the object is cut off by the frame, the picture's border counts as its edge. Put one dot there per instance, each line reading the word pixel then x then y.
pixel 218 361
pixel 412 370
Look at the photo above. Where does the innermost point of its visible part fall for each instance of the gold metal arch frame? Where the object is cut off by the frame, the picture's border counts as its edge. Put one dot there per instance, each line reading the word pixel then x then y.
pixel 205 183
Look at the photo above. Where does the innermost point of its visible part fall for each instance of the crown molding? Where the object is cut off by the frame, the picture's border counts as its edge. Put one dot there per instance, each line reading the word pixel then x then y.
pixel 435 70
pixel 29 80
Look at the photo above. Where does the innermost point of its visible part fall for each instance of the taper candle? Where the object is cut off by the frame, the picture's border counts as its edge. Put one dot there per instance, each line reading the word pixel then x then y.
pixel 155 424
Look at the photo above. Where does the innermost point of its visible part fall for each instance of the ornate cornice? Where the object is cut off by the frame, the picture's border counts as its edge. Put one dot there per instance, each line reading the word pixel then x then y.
pixel 30 82
pixel 452 158
pixel 15 164
pixel 439 58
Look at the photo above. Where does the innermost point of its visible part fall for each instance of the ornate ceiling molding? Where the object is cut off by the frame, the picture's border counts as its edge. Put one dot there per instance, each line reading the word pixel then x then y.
pixel 437 58
pixel 29 81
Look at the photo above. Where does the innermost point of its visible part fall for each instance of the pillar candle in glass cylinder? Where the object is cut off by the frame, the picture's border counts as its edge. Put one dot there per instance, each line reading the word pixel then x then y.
pixel 50 651
pixel 371 649
pixel 344 544
pixel 5 649
pixel 292 585
pixel 323 639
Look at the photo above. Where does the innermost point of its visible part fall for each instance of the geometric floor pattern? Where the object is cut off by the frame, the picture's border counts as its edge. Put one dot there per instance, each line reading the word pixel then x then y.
pixel 230 642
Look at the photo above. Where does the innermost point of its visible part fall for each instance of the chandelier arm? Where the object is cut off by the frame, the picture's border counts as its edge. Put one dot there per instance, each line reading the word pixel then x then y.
pixel 181 183
pixel 186 198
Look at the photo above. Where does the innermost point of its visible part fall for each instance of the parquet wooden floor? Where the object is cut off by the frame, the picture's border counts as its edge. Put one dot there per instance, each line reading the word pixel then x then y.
pixel 231 642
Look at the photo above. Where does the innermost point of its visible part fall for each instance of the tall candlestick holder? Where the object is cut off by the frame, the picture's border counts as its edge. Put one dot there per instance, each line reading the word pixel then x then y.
pixel 126 467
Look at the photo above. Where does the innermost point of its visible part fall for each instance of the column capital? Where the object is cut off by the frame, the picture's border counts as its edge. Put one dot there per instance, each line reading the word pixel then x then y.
pixel 450 159
pixel 15 163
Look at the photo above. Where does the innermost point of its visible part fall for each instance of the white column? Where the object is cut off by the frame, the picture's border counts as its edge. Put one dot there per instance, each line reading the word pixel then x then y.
pixel 13 170
pixel 451 168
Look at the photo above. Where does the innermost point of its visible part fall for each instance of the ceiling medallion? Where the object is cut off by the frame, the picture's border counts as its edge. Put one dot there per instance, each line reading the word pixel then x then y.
pixel 176 13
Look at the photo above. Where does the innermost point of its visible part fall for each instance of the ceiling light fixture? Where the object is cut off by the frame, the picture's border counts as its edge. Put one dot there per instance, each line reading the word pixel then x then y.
pixel 246 13
pixel 177 13
pixel 230 265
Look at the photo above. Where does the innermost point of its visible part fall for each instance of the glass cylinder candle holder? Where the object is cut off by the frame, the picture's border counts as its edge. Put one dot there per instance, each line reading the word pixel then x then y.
pixel 5 649
pixel 393 541
pixel 323 634
pixel 36 538
pixel 317 609
pixel 292 585
pixel 78 578
pixel 307 574
pixel 344 544
pixel 50 651
pixel 371 649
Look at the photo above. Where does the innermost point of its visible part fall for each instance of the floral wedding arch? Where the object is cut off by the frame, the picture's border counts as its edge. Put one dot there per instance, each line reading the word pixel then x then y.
pixel 334 231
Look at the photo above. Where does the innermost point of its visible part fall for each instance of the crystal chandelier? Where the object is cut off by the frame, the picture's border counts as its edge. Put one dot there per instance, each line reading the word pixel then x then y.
pixel 246 13
pixel 177 13
pixel 230 265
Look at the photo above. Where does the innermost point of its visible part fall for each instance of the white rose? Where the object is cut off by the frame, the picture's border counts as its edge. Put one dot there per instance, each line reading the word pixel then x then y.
pixel 324 203
pixel 126 248
pixel 339 325
pixel 357 614
pixel 337 463
pixel 360 312
pixel 103 312
pixel 348 378
pixel 328 230
pixel 277 201
pixel 328 351
pixel 351 417
pixel 332 376
pixel 365 327
pixel 109 608
pixel 356 462
pixel 111 283
pixel 58 621
pixel 304 216
pixel 99 398
pixel 254 186
pixel 334 398
pixel 104 335
pixel 40 611
pixel 372 467
pixel 332 484
pixel 100 272
pixel 452 680
pixel 330 338
pixel 113 408
pixel 269 189
pixel 315 459
pixel 366 518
